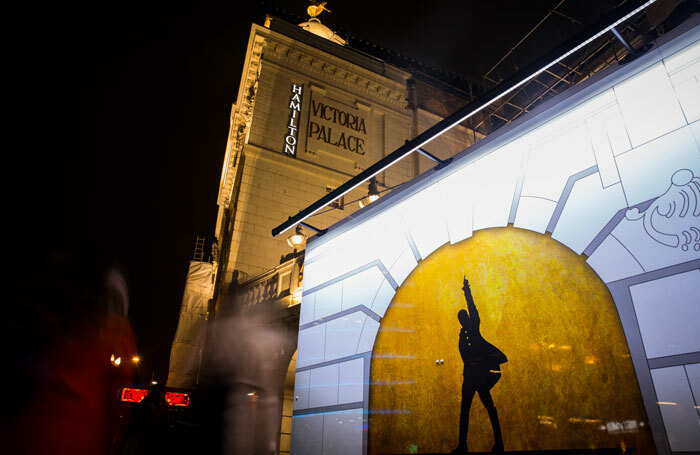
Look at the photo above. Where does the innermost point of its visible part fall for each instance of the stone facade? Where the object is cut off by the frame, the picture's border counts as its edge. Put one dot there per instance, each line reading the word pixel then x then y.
pixel 346 118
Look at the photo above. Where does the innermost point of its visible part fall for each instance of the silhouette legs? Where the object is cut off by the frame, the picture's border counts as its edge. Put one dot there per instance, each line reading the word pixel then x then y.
pixel 485 395
pixel 467 396
pixel 468 392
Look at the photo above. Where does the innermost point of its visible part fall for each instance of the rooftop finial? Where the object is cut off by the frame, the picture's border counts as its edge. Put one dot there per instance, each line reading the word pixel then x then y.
pixel 315 8
pixel 314 25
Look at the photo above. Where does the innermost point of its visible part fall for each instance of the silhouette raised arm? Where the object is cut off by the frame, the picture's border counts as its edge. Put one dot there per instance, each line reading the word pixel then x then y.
pixel 481 372
pixel 473 312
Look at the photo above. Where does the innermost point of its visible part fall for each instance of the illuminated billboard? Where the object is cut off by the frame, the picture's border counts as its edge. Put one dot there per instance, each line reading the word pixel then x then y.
pixel 539 293
pixel 531 356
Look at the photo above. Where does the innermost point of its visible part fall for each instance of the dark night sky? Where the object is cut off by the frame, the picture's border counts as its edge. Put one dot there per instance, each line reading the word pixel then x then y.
pixel 127 107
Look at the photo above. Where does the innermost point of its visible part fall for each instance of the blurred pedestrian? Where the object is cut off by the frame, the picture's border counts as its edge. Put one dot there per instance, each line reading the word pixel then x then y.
pixel 246 361
pixel 64 318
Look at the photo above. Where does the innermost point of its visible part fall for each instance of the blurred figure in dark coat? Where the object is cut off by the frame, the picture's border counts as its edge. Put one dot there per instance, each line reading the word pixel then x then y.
pixel 246 361
pixel 64 318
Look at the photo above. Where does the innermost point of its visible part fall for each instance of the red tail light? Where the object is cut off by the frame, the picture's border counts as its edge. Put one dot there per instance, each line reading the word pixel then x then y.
pixel 177 399
pixel 133 395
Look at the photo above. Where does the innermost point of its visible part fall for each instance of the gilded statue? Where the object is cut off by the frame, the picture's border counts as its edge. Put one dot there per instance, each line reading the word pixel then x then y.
pixel 316 8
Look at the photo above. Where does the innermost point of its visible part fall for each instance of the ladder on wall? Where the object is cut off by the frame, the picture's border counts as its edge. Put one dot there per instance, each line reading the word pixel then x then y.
pixel 199 248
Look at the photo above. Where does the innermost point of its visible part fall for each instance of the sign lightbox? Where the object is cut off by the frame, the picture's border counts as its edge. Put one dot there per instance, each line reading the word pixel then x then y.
pixel 540 292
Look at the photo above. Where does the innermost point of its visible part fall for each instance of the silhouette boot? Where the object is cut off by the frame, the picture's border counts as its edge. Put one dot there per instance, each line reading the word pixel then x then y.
pixel 497 436
pixel 461 449
pixel 462 445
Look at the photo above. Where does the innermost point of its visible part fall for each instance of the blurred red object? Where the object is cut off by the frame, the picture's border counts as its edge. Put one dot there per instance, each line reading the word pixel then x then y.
pixel 133 395
pixel 69 321
pixel 177 399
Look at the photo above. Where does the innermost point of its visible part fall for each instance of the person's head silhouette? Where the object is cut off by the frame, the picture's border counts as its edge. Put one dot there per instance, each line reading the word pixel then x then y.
pixel 463 317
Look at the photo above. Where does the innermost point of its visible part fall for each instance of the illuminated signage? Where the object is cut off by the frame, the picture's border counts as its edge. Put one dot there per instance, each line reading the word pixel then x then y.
pixel 290 140
pixel 337 138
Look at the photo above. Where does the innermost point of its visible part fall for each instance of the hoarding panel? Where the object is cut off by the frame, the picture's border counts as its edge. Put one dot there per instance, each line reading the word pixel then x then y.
pixel 557 219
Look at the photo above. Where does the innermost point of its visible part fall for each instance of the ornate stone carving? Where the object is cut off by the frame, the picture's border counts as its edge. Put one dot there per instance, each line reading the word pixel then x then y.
pixel 241 117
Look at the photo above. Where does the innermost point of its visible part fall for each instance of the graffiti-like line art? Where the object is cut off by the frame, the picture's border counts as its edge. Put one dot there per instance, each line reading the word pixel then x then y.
pixel 482 371
pixel 673 219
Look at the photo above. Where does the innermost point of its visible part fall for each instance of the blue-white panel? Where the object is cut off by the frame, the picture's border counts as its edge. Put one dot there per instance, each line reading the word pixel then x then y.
pixel 351 381
pixel 328 300
pixel 684 71
pixel 618 137
pixel 553 160
pixel 383 298
pixel 360 289
pixel 343 335
pixel 381 238
pixel 315 273
pixel 306 311
pixel 588 209
pixel 323 386
pixel 423 214
pixel 457 191
pixel 649 105
pixel 693 372
pixel 496 177
pixel 599 126
pixel 369 334
pixel 307 434
pixel 403 266
pixel 391 245
pixel 534 213
pixel 612 262
pixel 644 176
pixel 310 348
pixel 677 408
pixel 301 390
pixel 668 311
pixel 342 432
pixel 695 129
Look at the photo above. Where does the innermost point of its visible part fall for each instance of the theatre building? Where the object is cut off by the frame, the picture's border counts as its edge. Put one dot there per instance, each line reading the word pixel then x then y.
pixel 524 286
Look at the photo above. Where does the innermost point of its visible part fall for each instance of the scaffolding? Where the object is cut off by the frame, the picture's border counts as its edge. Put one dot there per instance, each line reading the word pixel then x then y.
pixel 596 56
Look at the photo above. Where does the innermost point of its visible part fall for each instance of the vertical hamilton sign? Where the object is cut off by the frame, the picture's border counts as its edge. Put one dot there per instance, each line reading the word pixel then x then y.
pixel 290 140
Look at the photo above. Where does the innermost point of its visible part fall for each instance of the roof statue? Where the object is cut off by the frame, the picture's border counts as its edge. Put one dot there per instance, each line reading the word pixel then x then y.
pixel 316 8
pixel 314 25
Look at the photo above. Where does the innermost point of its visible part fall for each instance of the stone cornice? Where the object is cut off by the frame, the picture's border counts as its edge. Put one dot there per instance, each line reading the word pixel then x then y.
pixel 307 60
